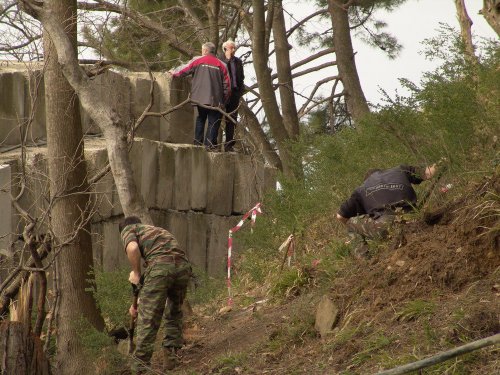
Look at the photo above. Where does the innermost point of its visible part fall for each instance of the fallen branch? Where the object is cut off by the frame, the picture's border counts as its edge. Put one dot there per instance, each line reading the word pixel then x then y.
pixel 444 356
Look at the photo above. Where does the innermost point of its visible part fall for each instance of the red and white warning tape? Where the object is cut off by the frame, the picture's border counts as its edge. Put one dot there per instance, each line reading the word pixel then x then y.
pixel 252 214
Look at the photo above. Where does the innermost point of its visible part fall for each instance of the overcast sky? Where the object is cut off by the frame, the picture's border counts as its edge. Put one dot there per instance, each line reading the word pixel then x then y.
pixel 413 22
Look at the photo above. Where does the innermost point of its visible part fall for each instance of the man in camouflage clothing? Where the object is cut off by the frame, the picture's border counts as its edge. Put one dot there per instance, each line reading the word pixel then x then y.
pixel 372 207
pixel 166 275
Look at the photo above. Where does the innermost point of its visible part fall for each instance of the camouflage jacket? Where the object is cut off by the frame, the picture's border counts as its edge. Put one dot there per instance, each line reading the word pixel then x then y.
pixel 153 242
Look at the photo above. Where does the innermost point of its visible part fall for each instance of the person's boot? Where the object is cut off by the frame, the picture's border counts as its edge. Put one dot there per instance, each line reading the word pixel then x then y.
pixel 170 358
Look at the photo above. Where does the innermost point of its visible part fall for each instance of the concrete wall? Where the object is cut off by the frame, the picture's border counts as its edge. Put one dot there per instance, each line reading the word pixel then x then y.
pixel 22 98
pixel 196 195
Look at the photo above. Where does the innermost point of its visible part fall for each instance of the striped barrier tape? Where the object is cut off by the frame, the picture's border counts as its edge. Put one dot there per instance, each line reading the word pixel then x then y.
pixel 252 214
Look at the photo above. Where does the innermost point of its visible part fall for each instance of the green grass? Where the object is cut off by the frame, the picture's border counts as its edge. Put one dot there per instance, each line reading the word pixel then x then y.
pixel 415 309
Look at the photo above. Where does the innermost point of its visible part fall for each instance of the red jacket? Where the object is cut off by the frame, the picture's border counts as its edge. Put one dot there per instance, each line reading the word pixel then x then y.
pixel 211 84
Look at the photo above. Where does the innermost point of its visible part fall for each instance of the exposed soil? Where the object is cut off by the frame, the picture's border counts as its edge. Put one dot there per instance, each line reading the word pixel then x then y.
pixel 434 286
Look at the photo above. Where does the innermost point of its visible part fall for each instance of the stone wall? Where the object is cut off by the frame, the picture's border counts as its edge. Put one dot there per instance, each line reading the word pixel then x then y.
pixel 23 104
pixel 196 195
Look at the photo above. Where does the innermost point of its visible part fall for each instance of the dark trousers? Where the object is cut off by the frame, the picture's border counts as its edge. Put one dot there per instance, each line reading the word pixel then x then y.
pixel 214 118
pixel 231 106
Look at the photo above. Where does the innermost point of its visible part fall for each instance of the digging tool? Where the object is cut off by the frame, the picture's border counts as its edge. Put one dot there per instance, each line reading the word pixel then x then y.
pixel 131 345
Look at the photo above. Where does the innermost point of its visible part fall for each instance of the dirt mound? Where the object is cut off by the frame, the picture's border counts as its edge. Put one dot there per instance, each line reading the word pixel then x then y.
pixel 433 286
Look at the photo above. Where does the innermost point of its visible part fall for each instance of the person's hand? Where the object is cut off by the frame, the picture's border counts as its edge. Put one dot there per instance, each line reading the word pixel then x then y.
pixel 132 311
pixel 134 277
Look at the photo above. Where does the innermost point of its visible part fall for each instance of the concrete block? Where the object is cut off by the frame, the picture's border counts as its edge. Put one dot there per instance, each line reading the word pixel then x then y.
pixel 218 242
pixel 242 186
pixel 166 176
pixel 113 253
pixel 140 97
pixel 178 126
pixel 149 171
pixel 197 238
pixel 36 195
pixel 34 99
pixel 135 157
pixel 182 177
pixel 6 231
pixel 97 159
pixel 177 224
pixel 12 106
pixel 113 89
pixel 199 178
pixel 220 183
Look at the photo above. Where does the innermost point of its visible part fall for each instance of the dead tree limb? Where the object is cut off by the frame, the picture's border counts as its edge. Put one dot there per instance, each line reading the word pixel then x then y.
pixel 444 356
pixel 11 285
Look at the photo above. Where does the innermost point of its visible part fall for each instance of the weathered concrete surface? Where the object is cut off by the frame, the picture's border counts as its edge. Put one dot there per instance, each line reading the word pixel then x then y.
pixel 149 170
pixel 97 159
pixel 140 97
pixel 166 176
pixel 220 183
pixel 182 177
pixel 22 107
pixel 175 222
pixel 5 209
pixel 22 93
pixel 197 238
pixel 114 90
pixel 248 183
pixel 199 178
pixel 217 243
pixel 177 126
pixel 109 253
pixel 36 197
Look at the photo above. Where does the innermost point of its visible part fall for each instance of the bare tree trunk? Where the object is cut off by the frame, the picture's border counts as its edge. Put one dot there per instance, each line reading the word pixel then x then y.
pixel 213 10
pixel 266 88
pixel 68 185
pixel 259 136
pixel 491 12
pixel 21 352
pixel 465 32
pixel 355 98
pixel 108 120
pixel 285 81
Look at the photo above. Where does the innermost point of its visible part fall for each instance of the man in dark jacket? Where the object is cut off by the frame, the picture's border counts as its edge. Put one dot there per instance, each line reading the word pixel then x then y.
pixel 211 87
pixel 237 75
pixel 166 276
pixel 371 209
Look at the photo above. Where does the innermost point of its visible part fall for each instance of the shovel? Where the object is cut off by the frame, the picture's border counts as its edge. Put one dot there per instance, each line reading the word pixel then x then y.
pixel 131 345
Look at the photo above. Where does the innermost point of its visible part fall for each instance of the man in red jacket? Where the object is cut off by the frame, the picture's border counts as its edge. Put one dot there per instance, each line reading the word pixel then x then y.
pixel 211 87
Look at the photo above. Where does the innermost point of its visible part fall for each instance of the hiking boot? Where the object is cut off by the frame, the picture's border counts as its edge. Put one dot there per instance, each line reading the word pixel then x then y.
pixel 170 358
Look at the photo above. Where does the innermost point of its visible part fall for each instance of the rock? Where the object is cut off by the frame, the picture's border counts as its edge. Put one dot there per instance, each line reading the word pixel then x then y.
pixel 326 316
pixel 225 310
pixel 400 263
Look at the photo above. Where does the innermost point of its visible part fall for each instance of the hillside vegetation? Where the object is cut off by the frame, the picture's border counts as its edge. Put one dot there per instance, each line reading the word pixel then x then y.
pixel 434 285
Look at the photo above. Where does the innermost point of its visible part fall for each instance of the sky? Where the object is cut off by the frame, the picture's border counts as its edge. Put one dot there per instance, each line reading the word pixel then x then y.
pixel 413 22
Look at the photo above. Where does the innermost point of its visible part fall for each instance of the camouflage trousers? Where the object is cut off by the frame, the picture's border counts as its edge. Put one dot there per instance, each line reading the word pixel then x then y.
pixel 362 228
pixel 162 281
